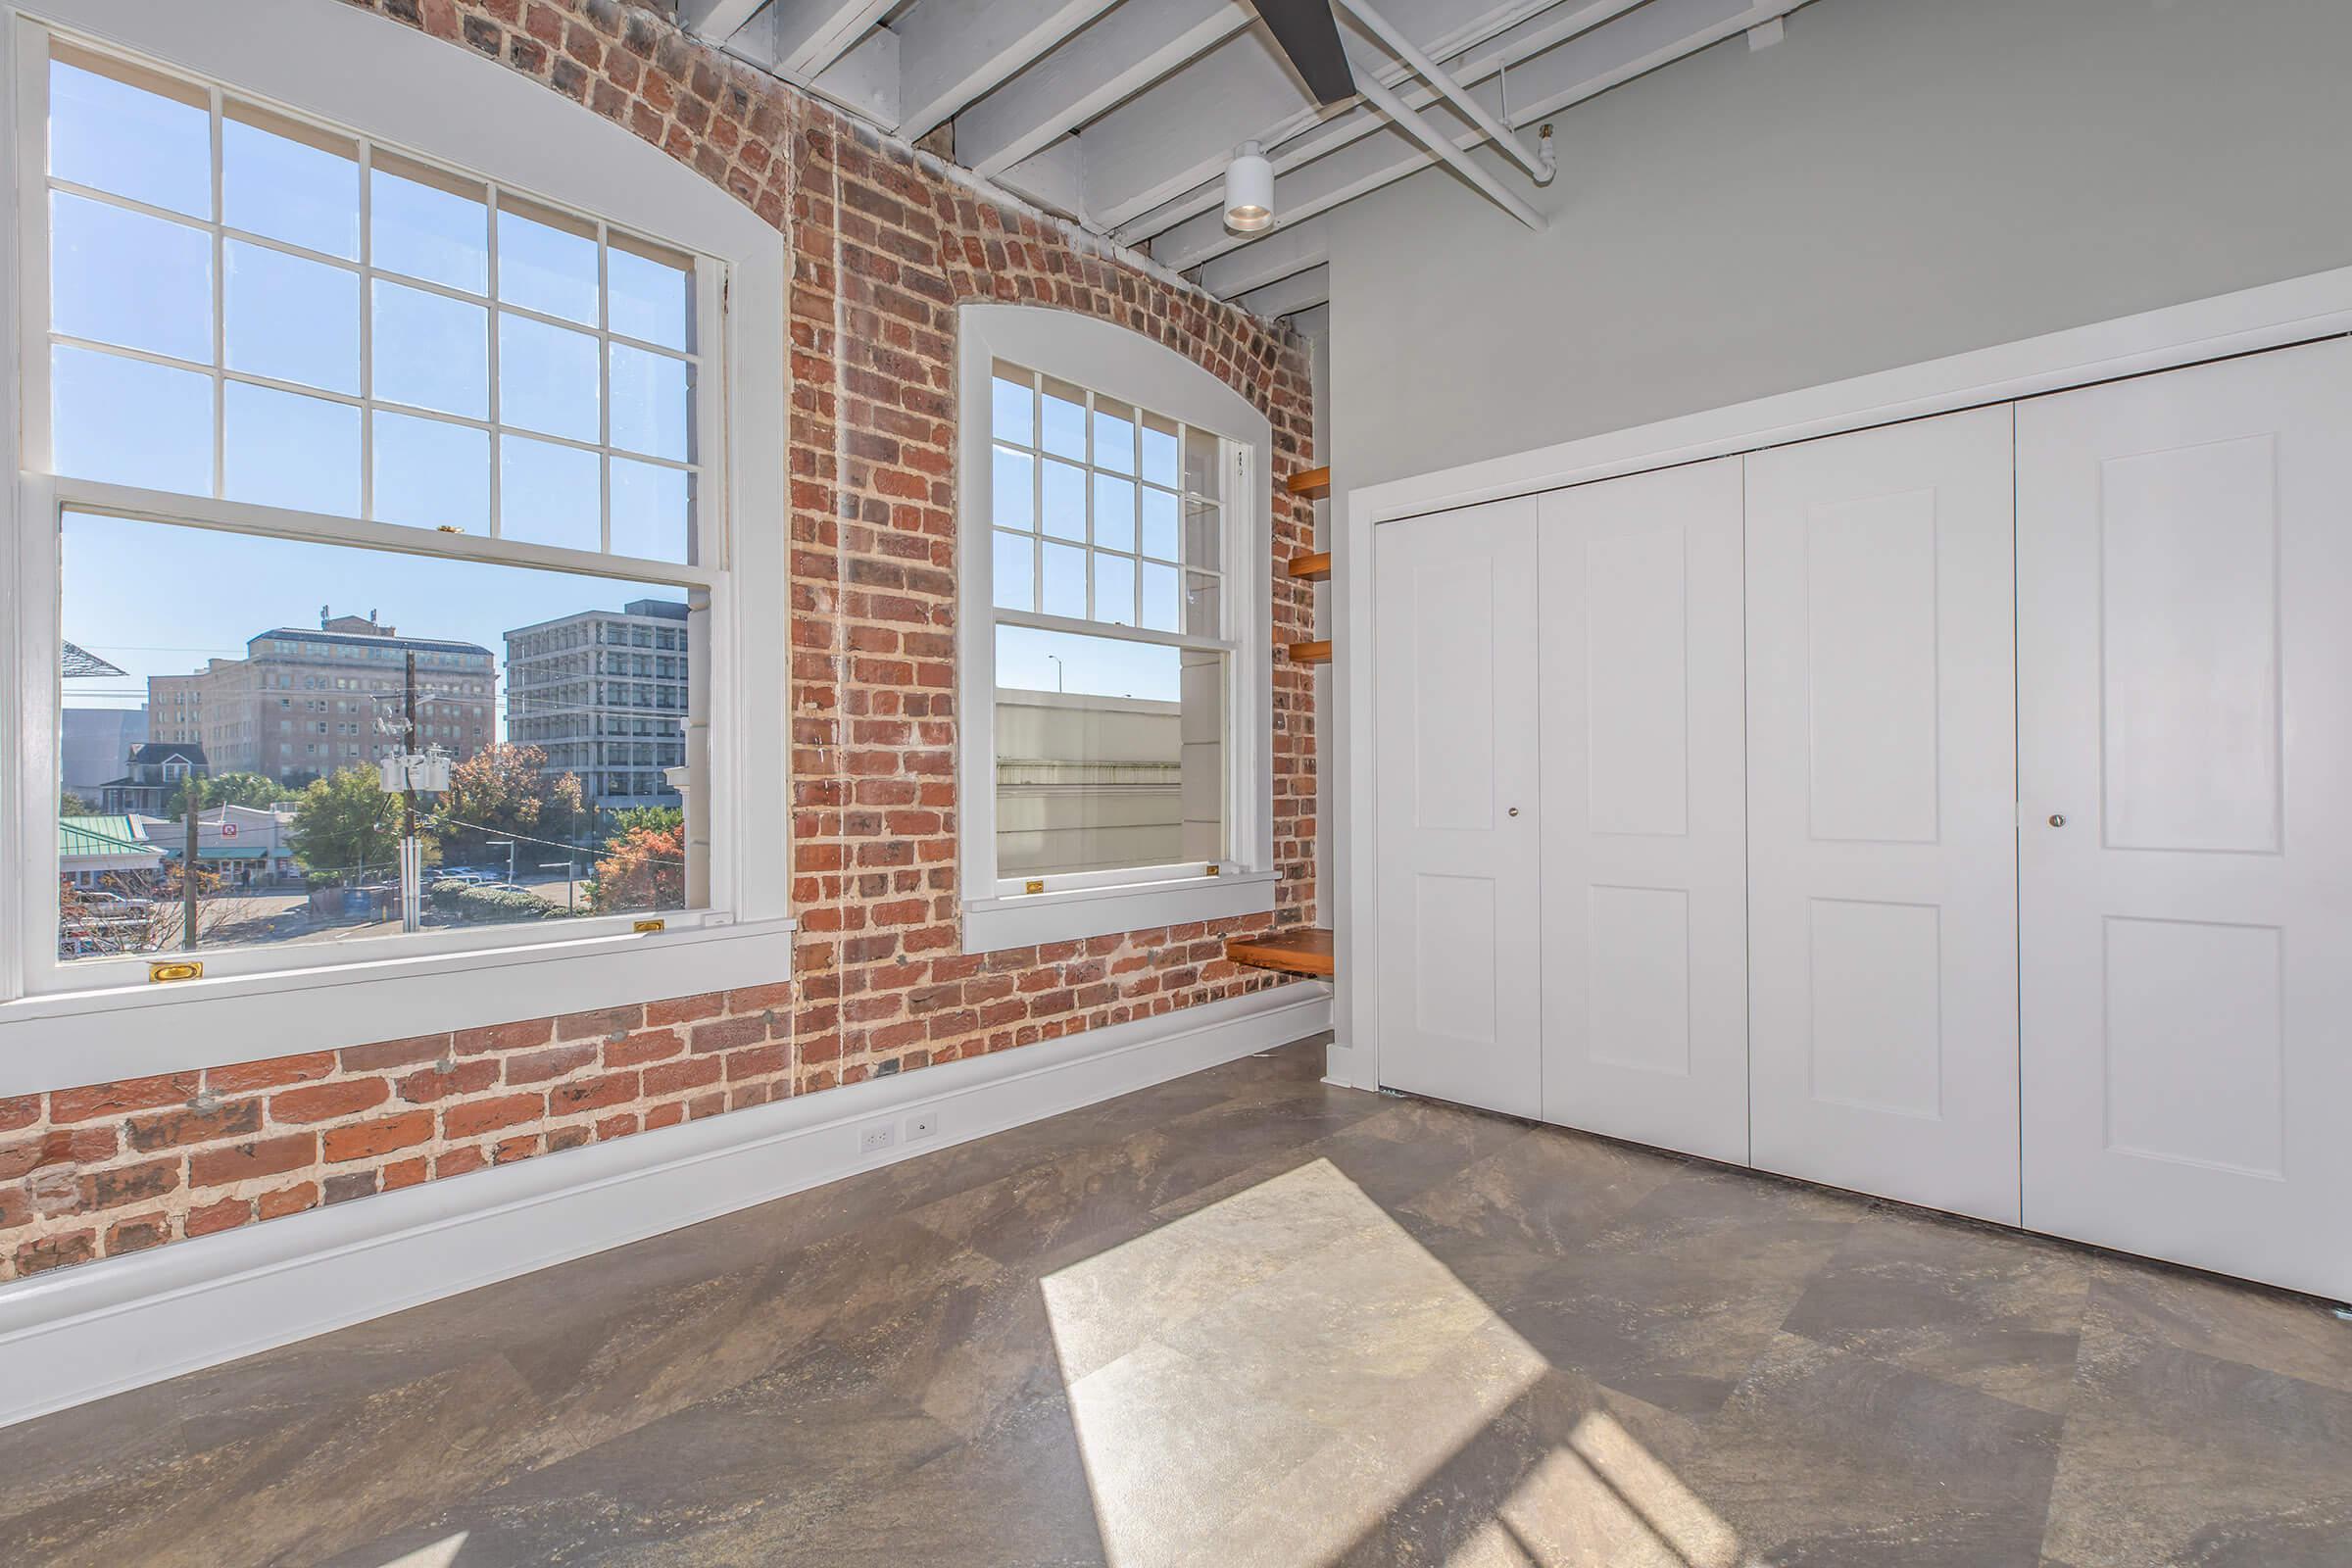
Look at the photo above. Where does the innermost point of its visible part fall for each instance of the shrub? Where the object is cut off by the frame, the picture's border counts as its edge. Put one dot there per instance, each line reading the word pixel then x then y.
pixel 481 906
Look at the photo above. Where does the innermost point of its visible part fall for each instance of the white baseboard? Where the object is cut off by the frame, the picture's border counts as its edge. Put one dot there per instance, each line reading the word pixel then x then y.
pixel 82 1333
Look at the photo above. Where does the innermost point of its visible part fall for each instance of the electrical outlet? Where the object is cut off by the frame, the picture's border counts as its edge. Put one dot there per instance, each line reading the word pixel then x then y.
pixel 875 1136
pixel 924 1124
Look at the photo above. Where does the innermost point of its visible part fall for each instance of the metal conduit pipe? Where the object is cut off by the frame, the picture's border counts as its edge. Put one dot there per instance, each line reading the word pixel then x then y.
pixel 1438 142
pixel 1452 91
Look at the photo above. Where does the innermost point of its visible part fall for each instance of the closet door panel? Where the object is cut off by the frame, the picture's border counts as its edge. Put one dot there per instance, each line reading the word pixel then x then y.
pixel 1455 741
pixel 1644 918
pixel 2186 767
pixel 1882 826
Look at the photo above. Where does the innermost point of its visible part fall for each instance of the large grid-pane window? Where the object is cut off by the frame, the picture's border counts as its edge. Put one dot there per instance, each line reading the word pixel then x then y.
pixel 1114 649
pixel 377 499
pixel 299 317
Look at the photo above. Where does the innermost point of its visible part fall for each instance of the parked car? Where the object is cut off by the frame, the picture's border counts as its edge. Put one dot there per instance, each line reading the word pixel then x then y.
pixel 469 877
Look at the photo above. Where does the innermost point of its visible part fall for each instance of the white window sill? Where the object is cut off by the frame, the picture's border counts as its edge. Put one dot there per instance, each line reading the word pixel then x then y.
pixel 1027 919
pixel 62 1040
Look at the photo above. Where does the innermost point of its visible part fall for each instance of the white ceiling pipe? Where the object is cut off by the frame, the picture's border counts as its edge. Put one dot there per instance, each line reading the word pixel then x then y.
pixel 1436 141
pixel 1453 92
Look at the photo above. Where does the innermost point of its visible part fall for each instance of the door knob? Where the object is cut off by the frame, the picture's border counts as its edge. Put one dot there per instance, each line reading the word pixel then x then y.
pixel 2057 819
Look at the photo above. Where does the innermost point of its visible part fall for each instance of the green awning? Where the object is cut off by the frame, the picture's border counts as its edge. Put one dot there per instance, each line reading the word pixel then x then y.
pixel 100 835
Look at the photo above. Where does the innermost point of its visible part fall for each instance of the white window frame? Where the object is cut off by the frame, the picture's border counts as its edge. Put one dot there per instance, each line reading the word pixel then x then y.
pixel 95 1020
pixel 1114 362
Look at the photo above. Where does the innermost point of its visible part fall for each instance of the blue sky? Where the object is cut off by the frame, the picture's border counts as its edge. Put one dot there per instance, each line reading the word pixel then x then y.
pixel 161 600
pixel 157 599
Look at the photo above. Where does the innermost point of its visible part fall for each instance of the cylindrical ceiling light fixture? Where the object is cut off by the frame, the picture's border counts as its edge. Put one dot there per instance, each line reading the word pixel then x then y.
pixel 1249 190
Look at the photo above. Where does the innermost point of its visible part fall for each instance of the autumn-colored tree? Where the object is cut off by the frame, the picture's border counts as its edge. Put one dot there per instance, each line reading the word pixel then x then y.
pixel 503 792
pixel 644 867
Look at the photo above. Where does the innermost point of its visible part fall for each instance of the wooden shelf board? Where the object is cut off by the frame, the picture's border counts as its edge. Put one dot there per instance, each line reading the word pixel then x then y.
pixel 1302 950
pixel 1314 484
pixel 1316 653
pixel 1311 568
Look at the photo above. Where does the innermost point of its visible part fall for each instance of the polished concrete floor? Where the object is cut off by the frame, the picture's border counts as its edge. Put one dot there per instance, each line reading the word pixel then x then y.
pixel 1243 1318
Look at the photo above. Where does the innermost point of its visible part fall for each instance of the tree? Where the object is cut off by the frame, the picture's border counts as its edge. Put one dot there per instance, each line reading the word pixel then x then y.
pixel 659 818
pixel 226 789
pixel 347 823
pixel 644 867
pixel 504 792
pixel 70 804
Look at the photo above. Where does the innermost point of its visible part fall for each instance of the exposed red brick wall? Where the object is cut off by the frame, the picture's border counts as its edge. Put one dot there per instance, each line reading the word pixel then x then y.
pixel 883 246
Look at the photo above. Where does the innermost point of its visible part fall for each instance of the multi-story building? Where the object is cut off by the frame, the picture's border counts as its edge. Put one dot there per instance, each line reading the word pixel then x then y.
pixel 304 704
pixel 604 694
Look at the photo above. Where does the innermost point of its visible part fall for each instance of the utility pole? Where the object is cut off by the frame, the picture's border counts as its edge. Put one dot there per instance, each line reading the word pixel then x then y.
pixel 191 792
pixel 411 853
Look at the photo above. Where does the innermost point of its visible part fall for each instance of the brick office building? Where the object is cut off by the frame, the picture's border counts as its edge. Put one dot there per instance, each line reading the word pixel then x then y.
pixel 302 703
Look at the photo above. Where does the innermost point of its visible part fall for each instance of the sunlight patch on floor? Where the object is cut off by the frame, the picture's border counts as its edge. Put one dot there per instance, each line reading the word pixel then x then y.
pixel 1602 1502
pixel 442 1554
pixel 1263 1381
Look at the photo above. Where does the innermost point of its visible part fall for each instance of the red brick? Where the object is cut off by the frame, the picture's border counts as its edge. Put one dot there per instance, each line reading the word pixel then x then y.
pixel 591 1094
pixel 244 1077
pixel 471 1119
pixel 235 1118
pixel 137 1233
pixel 327 1101
pixel 288 1199
pixel 503 1037
pixel 540 1065
pixel 118 1184
pixel 385 1054
pixel 269 1157
pixel 55 1252
pixel 60 1146
pixel 226 1214
pixel 117 1099
pixel 684 1010
pixel 603 1021
pixel 673 1077
pixel 369 1139
pixel 653 1045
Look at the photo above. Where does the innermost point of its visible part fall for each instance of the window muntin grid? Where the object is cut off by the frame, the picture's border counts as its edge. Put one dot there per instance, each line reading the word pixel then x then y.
pixel 1101 511
pixel 236 211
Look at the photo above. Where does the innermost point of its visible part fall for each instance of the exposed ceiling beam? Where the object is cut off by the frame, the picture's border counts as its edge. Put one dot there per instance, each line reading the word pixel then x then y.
pixel 1297 141
pixel 1662 32
pixel 1054 179
pixel 715 19
pixel 1295 292
pixel 952 51
pixel 1103 65
pixel 1286 251
pixel 1178 136
pixel 865 79
pixel 811 35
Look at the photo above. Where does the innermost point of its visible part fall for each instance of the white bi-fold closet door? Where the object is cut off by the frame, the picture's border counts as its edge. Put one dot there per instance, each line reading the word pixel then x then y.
pixel 1882 817
pixel 1642 778
pixel 2184 636
pixel 1453 664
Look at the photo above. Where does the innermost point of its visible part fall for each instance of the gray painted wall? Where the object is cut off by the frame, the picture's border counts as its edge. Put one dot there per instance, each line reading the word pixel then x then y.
pixel 1897 179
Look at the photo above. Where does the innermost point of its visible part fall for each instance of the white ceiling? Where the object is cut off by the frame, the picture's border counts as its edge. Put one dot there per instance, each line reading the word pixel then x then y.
pixel 1121 114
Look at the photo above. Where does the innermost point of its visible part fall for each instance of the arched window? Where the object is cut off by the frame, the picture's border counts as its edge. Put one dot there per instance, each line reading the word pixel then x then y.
pixel 1114 584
